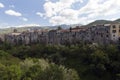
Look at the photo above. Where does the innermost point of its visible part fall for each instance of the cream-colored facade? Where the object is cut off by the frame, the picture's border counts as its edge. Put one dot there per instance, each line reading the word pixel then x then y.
pixel 115 32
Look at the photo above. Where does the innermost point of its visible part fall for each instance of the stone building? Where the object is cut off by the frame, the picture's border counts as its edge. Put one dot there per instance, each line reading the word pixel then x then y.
pixel 12 38
pixel 1 38
pixel 104 34
pixel 43 37
pixel 101 34
pixel 52 37
pixel 115 32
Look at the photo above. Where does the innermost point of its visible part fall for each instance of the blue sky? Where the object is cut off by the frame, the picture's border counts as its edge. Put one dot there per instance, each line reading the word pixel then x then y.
pixel 54 12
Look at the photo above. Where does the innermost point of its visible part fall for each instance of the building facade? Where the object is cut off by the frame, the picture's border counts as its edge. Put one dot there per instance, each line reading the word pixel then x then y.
pixel 101 34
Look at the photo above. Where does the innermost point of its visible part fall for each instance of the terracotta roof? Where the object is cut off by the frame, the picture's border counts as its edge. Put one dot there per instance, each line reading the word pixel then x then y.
pixel 64 30
pixel 76 29
pixel 44 30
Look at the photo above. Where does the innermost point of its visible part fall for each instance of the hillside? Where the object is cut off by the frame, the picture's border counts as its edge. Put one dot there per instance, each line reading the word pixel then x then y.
pixel 64 26
pixel 97 22
pixel 118 20
pixel 20 29
pixel 24 28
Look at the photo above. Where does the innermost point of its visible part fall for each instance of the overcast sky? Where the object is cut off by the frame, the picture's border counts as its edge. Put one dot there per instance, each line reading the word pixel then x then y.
pixel 54 12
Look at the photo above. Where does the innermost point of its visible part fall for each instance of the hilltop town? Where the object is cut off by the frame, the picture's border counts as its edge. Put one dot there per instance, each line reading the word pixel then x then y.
pixel 106 33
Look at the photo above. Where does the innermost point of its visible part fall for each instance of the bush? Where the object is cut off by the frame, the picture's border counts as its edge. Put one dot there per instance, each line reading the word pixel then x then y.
pixel 39 69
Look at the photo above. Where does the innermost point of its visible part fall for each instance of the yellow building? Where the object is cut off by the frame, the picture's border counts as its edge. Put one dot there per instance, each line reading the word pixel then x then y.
pixel 115 32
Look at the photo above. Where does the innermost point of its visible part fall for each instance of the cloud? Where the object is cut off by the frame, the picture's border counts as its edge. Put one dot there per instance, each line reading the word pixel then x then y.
pixel 53 9
pixel 24 19
pixel 98 9
pixel 39 14
pixel 69 13
pixel 67 16
pixel 6 25
pixel 47 0
pixel 28 25
pixel 57 20
pixel 13 13
pixel 2 5
pixel 61 11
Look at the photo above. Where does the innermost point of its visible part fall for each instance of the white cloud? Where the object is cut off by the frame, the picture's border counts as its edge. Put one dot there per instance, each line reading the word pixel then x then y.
pixel 57 20
pixel 48 6
pixel 53 9
pixel 61 12
pixel 13 13
pixel 39 14
pixel 28 25
pixel 69 13
pixel 24 19
pixel 100 9
pixel 6 25
pixel 47 0
pixel 2 5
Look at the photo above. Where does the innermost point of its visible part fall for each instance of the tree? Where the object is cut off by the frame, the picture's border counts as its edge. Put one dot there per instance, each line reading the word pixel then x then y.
pixel 40 69
pixel 3 53
pixel 59 28
pixel 12 72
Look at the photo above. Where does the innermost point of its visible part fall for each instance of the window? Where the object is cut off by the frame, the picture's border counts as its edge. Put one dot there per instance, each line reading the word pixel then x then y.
pixel 114 31
pixel 101 35
pixel 113 35
pixel 97 33
pixel 107 36
pixel 119 38
pixel 114 26
pixel 92 39
pixel 107 31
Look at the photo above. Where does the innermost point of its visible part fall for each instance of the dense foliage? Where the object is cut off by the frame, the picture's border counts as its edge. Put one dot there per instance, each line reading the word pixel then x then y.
pixel 36 69
pixel 92 62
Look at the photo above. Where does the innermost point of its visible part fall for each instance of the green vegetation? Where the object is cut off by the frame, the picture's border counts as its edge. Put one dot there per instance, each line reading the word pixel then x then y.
pixel 75 62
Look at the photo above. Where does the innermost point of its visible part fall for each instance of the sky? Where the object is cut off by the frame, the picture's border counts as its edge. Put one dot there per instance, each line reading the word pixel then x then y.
pixel 16 13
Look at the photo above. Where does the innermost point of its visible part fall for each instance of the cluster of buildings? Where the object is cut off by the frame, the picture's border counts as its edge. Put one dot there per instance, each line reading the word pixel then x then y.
pixel 101 34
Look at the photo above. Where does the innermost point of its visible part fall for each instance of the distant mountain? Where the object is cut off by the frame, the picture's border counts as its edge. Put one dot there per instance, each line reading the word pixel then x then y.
pixel 63 26
pixel 74 25
pixel 6 30
pixel 29 28
pixel 118 20
pixel 19 29
pixel 97 22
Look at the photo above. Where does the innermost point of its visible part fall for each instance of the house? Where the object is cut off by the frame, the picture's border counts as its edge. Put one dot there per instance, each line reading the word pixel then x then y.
pixel 101 34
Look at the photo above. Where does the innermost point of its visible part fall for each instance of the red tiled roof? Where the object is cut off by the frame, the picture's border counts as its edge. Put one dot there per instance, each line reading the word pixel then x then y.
pixel 64 30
